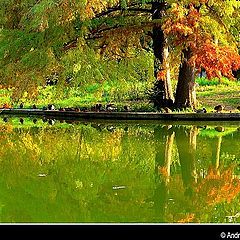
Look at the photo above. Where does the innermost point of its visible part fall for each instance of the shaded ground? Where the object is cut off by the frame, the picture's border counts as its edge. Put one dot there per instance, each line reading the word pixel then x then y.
pixel 228 96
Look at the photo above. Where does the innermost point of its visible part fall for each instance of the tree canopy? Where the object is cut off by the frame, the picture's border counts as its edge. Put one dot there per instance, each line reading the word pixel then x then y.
pixel 41 38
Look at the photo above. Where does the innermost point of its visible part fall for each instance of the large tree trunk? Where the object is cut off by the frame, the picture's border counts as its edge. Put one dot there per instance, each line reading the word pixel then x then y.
pixel 186 144
pixel 166 66
pixel 216 149
pixel 185 92
pixel 164 138
pixel 162 91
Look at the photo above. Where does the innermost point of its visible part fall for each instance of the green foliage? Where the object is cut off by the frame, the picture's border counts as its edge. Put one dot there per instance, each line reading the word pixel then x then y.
pixel 215 81
pixel 38 39
pixel 16 44
pixel 213 133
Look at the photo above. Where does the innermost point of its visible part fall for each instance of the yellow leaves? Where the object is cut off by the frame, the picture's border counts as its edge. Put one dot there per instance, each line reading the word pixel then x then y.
pixel 179 28
pixel 94 7
pixel 119 43
pixel 29 145
pixel 187 219
pixel 77 67
pixel 6 128
pixel 67 12
pixel 79 184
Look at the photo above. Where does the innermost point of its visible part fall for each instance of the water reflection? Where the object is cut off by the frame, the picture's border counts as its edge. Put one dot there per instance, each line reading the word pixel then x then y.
pixel 215 185
pixel 66 171
pixel 163 136
pixel 186 147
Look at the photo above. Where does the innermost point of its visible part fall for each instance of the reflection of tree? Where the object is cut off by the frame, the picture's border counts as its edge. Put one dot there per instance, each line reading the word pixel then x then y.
pixel 210 194
pixel 216 191
pixel 164 137
pixel 216 149
pixel 219 142
pixel 186 144
pixel 219 185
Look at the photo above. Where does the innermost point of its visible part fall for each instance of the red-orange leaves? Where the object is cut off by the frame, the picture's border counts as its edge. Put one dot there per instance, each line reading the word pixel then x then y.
pixel 182 25
pixel 161 75
pixel 217 60
pixel 6 106
pixel 184 28
pixel 218 187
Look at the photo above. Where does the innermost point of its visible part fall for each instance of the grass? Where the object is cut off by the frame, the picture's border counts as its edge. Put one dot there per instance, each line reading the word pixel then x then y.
pixel 87 95
pixel 226 93
pixel 214 132
pixel 209 94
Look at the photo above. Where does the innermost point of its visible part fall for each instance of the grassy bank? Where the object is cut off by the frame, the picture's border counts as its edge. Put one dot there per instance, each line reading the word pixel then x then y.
pixel 133 94
pixel 224 92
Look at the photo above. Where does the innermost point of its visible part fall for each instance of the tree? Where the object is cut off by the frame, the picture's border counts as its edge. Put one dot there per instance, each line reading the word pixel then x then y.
pixel 189 26
pixel 147 22
pixel 64 25
pixel 201 32
pixel 36 36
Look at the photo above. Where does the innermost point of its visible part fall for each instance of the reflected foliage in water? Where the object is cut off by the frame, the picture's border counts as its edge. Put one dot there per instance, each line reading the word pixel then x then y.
pixel 75 172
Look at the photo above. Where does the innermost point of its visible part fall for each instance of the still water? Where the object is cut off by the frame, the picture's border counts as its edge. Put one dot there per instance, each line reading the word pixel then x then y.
pixel 124 172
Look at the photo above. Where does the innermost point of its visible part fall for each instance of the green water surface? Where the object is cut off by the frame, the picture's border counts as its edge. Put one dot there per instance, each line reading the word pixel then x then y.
pixel 124 172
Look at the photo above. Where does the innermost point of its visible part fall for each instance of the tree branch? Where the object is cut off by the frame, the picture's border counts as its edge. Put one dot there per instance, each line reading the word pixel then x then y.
pixel 100 33
pixel 220 21
pixel 119 8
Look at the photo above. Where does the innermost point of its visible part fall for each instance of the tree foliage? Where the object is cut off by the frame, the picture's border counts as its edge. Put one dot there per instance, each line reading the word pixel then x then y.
pixel 205 28
pixel 37 36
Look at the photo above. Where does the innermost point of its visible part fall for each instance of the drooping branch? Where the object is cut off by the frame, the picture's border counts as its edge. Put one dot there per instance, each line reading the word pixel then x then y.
pixel 100 33
pixel 220 21
pixel 133 7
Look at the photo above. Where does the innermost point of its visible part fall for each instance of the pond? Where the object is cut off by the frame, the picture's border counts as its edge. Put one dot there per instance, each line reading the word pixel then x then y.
pixel 59 171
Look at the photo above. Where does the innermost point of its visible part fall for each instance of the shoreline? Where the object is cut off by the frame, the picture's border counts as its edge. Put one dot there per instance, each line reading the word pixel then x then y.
pixel 123 115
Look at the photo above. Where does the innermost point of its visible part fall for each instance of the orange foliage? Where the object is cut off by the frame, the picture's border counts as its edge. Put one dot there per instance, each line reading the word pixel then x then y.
pixel 185 29
pixel 187 219
pixel 6 128
pixel 216 60
pixel 163 171
pixel 219 187
pixel 161 75
pixel 6 106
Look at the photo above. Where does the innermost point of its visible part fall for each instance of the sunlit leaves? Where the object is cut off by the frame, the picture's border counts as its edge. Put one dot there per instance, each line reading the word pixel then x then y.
pixel 191 28
pixel 47 28
pixel 95 6
pixel 182 25
pixel 216 60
